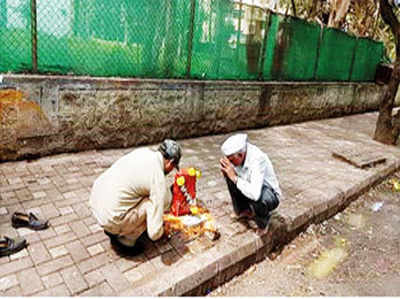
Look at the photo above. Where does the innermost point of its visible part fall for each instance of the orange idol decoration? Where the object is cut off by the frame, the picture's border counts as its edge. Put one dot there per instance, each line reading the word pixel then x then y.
pixel 184 191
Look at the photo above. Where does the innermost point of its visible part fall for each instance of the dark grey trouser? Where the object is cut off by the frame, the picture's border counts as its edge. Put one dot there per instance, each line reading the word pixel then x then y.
pixel 261 208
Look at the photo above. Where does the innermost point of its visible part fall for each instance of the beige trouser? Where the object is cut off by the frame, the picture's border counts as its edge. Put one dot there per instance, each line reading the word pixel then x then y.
pixel 130 226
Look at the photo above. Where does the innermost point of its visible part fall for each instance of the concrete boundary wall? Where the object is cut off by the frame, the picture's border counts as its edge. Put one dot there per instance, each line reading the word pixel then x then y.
pixel 42 115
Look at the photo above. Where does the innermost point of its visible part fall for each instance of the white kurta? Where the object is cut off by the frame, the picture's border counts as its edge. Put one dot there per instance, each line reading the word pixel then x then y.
pixel 133 178
pixel 256 171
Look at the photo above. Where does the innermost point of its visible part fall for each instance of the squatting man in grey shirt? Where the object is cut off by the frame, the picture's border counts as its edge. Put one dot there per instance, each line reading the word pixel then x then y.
pixel 251 180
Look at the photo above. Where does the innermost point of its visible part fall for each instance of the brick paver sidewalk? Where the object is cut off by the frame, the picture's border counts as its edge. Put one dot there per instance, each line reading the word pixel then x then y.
pixel 74 257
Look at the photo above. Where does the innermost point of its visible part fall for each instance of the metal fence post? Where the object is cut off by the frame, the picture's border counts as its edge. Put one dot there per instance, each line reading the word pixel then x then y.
pixel 264 45
pixel 239 30
pixel 34 36
pixel 353 59
pixel 320 40
pixel 190 38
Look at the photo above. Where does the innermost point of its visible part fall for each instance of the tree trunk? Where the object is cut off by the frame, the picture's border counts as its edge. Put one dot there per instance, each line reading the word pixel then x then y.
pixel 388 126
pixel 338 12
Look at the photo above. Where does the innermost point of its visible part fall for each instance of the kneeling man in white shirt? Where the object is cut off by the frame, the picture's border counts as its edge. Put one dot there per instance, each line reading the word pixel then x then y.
pixel 251 179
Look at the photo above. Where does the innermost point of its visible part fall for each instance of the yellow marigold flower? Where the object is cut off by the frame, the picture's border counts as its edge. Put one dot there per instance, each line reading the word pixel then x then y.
pixel 180 181
pixel 192 171
pixel 194 210
pixel 198 174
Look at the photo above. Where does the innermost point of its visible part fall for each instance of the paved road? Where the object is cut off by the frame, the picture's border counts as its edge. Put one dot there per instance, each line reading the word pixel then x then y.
pixel 356 253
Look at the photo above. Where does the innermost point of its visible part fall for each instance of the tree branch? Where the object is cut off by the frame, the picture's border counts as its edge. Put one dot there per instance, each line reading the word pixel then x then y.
pixel 294 8
pixel 390 18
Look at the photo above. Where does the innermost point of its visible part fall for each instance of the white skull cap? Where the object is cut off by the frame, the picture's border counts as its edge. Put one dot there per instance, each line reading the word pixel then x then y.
pixel 171 150
pixel 234 144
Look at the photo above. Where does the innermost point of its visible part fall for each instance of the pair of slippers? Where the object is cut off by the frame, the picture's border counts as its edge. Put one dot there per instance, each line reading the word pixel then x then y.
pixel 10 246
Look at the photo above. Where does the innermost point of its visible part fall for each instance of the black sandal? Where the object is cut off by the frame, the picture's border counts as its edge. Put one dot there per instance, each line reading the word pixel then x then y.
pixel 30 221
pixel 10 246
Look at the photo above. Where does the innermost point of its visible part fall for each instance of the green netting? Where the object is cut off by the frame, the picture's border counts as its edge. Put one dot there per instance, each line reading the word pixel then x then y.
pixel 270 72
pixel 227 40
pixel 368 55
pixel 114 38
pixel 336 56
pixel 292 46
pixel 15 36
pixel 205 39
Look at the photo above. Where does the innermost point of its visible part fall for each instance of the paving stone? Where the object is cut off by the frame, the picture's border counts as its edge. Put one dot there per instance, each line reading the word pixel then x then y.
pixel 65 219
pixel 77 251
pixel 81 209
pixel 74 280
pixel 94 277
pixel 54 265
pixel 66 210
pixel 93 263
pixel 62 229
pixel 95 249
pixel 8 282
pixel 94 228
pixel 15 266
pixel 103 289
pixel 170 257
pixel 47 233
pixel 59 290
pixel 52 280
pixel 72 181
pixel 147 269
pixel 79 228
pixel 39 253
pixel 3 211
pixel 14 181
pixel 133 275
pixel 23 231
pixel 54 194
pixel 49 211
pixel 7 195
pixel 30 281
pixel 150 250
pixel 44 181
pixel 127 263
pixel 94 239
pixel 32 238
pixel 60 240
pixel 58 251
pixel 115 278
pixel 18 255
pixel 67 202
pixel 68 188
pixel 39 194
pixel 34 203
pixel 89 221
pixel 11 292
pixel 4 260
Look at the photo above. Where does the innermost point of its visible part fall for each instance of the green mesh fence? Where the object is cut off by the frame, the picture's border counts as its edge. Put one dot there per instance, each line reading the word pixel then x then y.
pixel 202 39
pixel 227 40
pixel 292 46
pixel 15 36
pixel 114 38
pixel 368 54
pixel 336 56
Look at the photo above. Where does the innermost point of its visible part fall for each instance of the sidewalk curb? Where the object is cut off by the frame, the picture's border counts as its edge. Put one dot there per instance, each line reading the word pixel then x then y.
pixel 212 268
